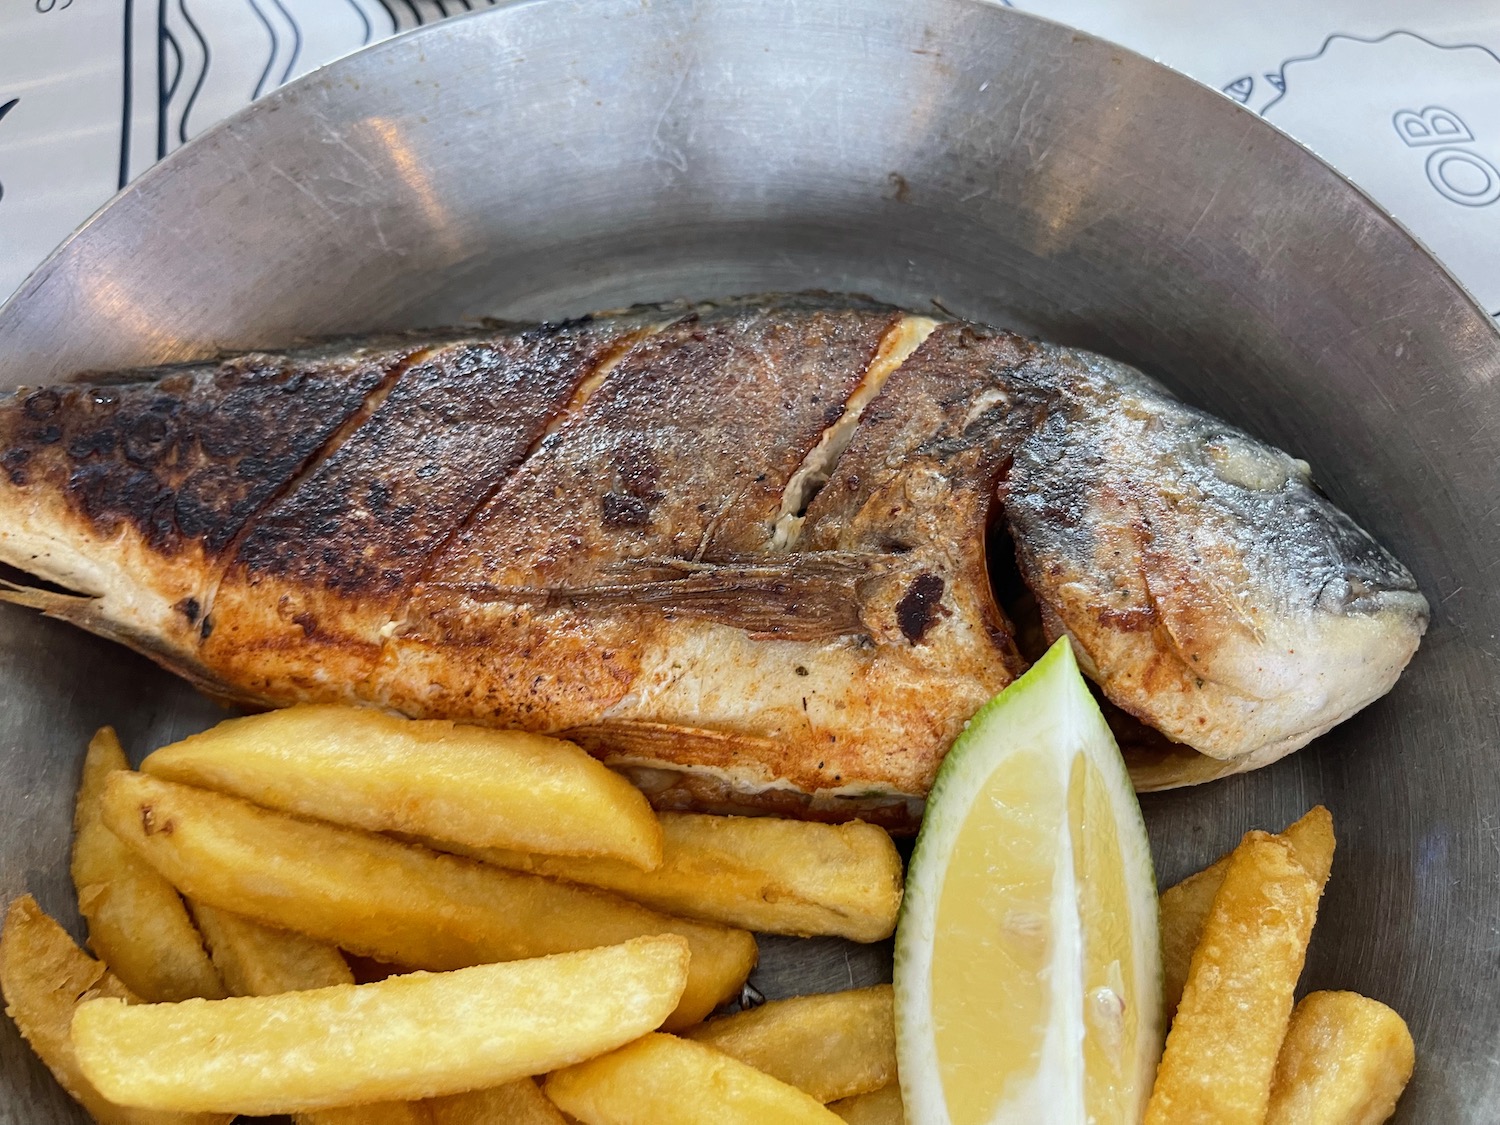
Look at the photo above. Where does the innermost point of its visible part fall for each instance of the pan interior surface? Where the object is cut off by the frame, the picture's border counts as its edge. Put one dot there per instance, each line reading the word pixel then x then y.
pixel 550 158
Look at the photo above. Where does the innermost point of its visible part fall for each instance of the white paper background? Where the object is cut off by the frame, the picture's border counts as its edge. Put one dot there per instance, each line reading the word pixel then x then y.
pixel 1403 96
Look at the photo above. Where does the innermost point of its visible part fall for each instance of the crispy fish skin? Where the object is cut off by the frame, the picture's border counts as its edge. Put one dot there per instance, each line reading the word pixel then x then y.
pixel 736 550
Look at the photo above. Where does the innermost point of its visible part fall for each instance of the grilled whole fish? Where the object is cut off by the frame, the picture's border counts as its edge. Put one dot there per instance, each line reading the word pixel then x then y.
pixel 736 550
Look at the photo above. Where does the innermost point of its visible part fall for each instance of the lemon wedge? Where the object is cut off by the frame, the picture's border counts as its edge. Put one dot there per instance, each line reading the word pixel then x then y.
pixel 1028 972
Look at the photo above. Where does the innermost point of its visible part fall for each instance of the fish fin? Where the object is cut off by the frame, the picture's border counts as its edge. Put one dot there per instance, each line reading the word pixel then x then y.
pixel 809 596
pixel 87 612
pixel 75 609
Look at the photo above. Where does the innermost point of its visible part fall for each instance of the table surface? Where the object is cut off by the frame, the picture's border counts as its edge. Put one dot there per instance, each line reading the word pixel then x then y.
pixel 1403 96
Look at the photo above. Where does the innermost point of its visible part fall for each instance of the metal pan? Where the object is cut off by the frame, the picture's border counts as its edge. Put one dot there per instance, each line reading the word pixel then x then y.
pixel 549 158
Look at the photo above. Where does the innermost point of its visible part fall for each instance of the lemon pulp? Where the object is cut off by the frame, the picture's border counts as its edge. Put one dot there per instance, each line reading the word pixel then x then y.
pixel 990 1003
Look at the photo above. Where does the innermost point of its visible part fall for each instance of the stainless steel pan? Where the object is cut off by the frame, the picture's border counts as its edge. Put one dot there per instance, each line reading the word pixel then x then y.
pixel 549 158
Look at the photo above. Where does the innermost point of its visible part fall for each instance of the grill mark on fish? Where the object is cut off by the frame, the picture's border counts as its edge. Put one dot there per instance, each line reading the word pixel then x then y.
pixel 583 392
pixel 329 446
pixel 605 445
pixel 900 341
pixel 175 457
pixel 471 413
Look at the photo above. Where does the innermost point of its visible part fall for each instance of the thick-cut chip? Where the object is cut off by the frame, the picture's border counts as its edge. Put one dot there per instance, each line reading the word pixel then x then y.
pixel 1345 1061
pixel 515 1103
pixel 45 977
pixel 137 922
pixel 763 873
pixel 397 902
pixel 1185 906
pixel 831 1046
pixel 664 1080
pixel 447 781
pixel 417 1036
pixel 880 1107
pixel 256 960
pixel 1221 1051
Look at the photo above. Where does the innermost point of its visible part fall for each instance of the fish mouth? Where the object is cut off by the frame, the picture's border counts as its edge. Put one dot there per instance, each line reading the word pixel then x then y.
pixel 1372 580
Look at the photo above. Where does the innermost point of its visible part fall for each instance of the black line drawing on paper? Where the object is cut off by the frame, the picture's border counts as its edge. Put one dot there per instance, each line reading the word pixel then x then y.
pixel 187 110
pixel 183 61
pixel 364 22
pixel 45 6
pixel 165 87
pixel 1476 183
pixel 1433 125
pixel 265 75
pixel 269 78
pixel 1241 89
pixel 1459 175
pixel 291 63
pixel 126 108
pixel 391 12
pixel 4 109
pixel 1328 42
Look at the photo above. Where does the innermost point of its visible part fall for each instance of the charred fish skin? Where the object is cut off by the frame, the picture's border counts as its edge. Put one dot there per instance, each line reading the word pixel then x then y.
pixel 737 549
pixel 133 489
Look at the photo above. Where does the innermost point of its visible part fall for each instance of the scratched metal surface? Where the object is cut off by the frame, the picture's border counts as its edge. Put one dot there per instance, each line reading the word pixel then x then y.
pixel 549 158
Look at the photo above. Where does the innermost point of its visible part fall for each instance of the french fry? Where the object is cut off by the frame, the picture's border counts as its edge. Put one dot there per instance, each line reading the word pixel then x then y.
pixel 137 922
pixel 396 902
pixel 664 1080
pixel 1185 906
pixel 417 1036
pixel 831 1046
pixel 45 977
pixel 1345 1061
pixel 256 960
pixel 471 785
pixel 879 1107
pixel 1221 1051
pixel 516 1103
pixel 762 873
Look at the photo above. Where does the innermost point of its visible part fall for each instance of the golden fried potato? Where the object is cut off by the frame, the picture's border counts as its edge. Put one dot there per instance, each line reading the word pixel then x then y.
pixel 1221 1051
pixel 448 781
pixel 256 960
pixel 396 902
pixel 417 1036
pixel 45 977
pixel 137 922
pixel 763 873
pixel 1185 907
pixel 1345 1061
pixel 664 1080
pixel 516 1103
pixel 831 1046
pixel 880 1107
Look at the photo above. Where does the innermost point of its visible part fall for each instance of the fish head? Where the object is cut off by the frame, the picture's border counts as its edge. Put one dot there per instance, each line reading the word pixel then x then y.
pixel 1211 589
